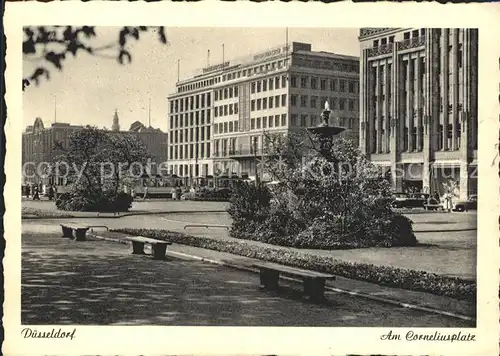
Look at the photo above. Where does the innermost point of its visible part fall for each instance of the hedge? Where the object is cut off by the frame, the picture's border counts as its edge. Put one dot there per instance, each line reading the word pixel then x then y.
pixel 422 281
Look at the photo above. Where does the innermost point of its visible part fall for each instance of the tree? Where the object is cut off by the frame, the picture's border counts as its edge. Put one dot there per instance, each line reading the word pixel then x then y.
pixel 96 163
pixel 51 45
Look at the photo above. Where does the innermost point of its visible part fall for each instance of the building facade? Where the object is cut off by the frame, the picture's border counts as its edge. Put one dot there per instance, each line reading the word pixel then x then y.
pixel 219 118
pixel 418 106
pixel 38 144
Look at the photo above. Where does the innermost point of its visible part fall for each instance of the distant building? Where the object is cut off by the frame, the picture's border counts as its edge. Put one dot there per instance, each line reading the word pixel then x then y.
pixel 38 144
pixel 418 109
pixel 218 119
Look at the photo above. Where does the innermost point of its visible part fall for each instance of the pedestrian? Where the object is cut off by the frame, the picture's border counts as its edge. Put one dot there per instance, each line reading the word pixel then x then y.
pixel 50 192
pixel 28 190
pixel 55 192
pixel 36 194
pixel 145 192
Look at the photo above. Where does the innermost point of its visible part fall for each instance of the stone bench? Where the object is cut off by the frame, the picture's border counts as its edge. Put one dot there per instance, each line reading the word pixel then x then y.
pixel 77 231
pixel 159 247
pixel 314 282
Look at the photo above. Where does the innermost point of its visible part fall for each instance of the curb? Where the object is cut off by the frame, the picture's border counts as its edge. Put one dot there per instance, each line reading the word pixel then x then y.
pixel 120 216
pixel 328 288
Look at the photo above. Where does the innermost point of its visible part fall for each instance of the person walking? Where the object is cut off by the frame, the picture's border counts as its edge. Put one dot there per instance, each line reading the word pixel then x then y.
pixel 36 194
pixel 145 192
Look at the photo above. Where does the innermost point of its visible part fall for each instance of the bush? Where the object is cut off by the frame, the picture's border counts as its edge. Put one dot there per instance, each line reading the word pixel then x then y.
pixel 78 200
pixel 393 277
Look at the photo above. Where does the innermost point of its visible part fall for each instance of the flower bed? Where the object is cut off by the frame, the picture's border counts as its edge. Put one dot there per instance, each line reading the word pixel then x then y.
pixel 394 277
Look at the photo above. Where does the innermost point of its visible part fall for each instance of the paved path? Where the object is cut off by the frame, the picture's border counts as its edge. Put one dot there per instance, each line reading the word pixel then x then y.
pixel 96 282
pixel 450 254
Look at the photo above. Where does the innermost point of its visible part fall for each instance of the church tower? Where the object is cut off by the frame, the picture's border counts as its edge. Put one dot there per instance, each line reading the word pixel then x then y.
pixel 116 122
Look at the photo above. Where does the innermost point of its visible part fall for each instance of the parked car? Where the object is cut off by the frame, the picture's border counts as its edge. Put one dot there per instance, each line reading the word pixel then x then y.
pixel 466 205
pixel 409 200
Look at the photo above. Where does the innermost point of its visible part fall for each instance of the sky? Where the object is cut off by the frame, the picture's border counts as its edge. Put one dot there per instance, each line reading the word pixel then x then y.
pixel 90 88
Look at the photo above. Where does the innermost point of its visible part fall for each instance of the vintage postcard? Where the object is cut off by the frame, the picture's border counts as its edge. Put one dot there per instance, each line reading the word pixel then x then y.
pixel 251 179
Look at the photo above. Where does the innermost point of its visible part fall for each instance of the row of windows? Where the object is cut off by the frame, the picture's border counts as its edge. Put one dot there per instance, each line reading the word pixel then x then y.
pixel 265 122
pixel 268 84
pixel 192 119
pixel 317 102
pixel 190 151
pixel 224 110
pixel 259 69
pixel 190 135
pixel 184 170
pixel 190 103
pixel 268 103
pixel 331 84
pixel 314 120
pixel 225 127
pixel 226 93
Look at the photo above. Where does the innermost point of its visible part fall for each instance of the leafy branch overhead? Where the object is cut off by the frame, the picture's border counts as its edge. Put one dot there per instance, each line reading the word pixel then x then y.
pixel 52 45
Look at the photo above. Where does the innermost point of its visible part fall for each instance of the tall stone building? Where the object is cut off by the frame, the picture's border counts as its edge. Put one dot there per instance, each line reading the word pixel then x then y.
pixel 418 105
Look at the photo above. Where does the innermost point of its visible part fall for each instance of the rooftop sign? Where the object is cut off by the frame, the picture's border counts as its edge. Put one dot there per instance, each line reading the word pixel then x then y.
pixel 270 53
pixel 216 67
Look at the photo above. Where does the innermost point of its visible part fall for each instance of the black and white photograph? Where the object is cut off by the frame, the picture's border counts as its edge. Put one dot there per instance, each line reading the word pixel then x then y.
pixel 251 176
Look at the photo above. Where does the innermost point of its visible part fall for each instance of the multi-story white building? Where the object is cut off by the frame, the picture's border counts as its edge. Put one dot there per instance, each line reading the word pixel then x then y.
pixel 418 109
pixel 218 119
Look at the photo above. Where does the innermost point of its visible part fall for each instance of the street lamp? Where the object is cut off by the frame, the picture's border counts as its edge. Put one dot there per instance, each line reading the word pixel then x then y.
pixel 324 133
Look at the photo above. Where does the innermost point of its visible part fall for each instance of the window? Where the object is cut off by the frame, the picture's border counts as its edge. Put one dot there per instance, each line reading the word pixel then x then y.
pixel 236 126
pixel 283 100
pixel 342 85
pixel 235 92
pixel 259 104
pixel 323 84
pixel 271 84
pixel 230 109
pixel 258 123
pixel 264 85
pixel 252 124
pixel 352 87
pixel 314 100
pixel 341 104
pixel 235 108
pixel 294 119
pixel 332 85
pixel 293 100
pixel 351 104
pixel 230 92
pixel 264 103
pixel 314 83
pixel 293 81
pixel 271 102
pixel 276 120
pixel 303 120
pixel 225 93
pixel 225 127
pixel 277 101
pixel 252 105
pixel 303 101
pixel 264 122
pixel 230 126
pixel 277 82
pixel 216 97
pixel 283 81
pixel 259 87
pixel 253 88
pixel 225 110
pixel 271 121
pixel 303 82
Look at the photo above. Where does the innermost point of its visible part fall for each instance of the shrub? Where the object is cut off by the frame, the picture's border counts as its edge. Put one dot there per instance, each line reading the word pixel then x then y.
pixel 393 277
pixel 77 200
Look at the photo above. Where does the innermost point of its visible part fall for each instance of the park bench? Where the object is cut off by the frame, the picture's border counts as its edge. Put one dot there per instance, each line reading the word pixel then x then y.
pixel 159 247
pixel 77 231
pixel 206 226
pixel 314 282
